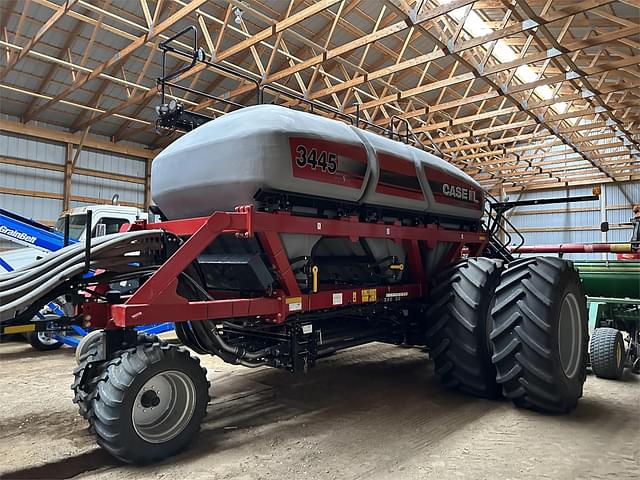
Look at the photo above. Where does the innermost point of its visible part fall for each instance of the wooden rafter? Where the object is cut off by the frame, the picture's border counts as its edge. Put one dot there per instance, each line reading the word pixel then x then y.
pixel 60 12
pixel 575 111
pixel 122 55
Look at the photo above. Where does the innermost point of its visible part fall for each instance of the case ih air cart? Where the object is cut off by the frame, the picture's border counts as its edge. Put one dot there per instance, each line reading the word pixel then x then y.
pixel 288 237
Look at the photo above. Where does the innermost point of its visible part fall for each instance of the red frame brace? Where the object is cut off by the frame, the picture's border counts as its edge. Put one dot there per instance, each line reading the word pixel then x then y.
pixel 157 300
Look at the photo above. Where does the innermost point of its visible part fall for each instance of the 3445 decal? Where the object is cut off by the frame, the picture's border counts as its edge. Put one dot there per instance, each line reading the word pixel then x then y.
pixel 314 159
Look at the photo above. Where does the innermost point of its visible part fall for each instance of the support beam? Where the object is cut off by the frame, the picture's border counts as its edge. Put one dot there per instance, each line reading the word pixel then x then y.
pixel 60 12
pixel 71 38
pixel 276 28
pixel 120 57
pixel 147 184
pixel 62 137
pixel 520 27
pixel 68 172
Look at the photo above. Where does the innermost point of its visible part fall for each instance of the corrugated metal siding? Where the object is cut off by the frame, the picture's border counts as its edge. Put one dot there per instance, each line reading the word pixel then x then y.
pixel 618 211
pixel 17 177
pixel 26 178
pixel 31 149
pixel 105 189
pixel 615 194
pixel 568 224
pixel 33 179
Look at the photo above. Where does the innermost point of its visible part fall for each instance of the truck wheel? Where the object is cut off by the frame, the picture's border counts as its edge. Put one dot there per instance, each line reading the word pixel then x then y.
pixel 460 324
pixel 44 341
pixel 540 334
pixel 150 404
pixel 607 353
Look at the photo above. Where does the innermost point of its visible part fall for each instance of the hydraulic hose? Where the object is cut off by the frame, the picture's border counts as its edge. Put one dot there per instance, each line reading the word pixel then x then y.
pixel 55 265
pixel 241 353
pixel 203 332
pixel 118 252
pixel 205 335
pixel 48 262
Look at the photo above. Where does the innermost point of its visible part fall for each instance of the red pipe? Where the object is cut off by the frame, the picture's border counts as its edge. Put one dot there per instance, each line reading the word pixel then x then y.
pixel 575 248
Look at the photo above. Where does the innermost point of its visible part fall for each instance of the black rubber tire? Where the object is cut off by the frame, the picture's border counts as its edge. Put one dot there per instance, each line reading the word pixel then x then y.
pixel 35 342
pixel 115 396
pixel 526 334
pixel 459 325
pixel 607 353
pixel 84 396
pixel 86 342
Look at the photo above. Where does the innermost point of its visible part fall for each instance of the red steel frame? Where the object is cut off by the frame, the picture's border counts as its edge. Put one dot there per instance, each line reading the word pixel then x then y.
pixel 157 301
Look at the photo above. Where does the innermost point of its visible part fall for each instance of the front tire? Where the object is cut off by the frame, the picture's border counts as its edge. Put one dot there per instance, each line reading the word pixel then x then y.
pixel 91 338
pixel 150 404
pixel 540 334
pixel 460 323
pixel 607 353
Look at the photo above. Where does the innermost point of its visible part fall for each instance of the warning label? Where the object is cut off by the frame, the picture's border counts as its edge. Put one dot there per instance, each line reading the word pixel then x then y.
pixel 369 295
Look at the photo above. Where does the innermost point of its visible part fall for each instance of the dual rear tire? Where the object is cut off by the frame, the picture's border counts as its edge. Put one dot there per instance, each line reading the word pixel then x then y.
pixel 518 330
pixel 540 334
pixel 460 323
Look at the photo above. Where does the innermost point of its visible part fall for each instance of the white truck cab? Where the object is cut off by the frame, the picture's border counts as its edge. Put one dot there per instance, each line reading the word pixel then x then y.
pixel 105 220
pixel 111 216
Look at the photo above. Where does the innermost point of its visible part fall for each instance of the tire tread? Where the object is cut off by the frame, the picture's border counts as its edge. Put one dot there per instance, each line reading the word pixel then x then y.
pixel 523 335
pixel 603 353
pixel 454 336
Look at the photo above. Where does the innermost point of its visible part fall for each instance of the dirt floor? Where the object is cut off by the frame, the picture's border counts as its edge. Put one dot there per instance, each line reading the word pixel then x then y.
pixel 368 413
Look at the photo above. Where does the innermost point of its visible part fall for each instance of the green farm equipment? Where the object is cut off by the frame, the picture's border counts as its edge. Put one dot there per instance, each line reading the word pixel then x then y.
pixel 613 296
pixel 612 288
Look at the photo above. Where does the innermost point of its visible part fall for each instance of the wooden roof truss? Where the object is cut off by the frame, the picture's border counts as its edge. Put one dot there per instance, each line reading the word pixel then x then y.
pixel 521 94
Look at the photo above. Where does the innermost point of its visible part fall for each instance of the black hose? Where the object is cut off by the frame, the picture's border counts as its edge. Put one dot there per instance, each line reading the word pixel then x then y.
pixel 239 352
pixel 206 336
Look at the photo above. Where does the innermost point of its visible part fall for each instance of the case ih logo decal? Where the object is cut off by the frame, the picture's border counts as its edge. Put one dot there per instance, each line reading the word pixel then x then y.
pixel 461 193
pixel 328 162
pixel 450 190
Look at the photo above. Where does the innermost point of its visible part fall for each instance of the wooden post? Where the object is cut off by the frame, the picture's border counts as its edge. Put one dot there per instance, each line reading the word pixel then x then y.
pixel 68 170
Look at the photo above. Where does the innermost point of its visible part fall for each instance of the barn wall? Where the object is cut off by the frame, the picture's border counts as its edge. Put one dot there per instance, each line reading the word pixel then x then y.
pixel 37 192
pixel 577 222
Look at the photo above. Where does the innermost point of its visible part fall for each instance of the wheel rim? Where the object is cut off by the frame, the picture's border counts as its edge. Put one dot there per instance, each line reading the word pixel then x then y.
pixel 570 335
pixel 618 354
pixel 164 406
pixel 47 339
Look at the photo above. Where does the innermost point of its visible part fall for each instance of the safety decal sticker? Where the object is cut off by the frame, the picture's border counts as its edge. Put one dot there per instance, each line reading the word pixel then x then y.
pixel 369 295
pixel 294 304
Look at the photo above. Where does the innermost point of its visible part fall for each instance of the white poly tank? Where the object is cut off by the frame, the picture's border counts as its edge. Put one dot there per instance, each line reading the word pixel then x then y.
pixel 223 164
